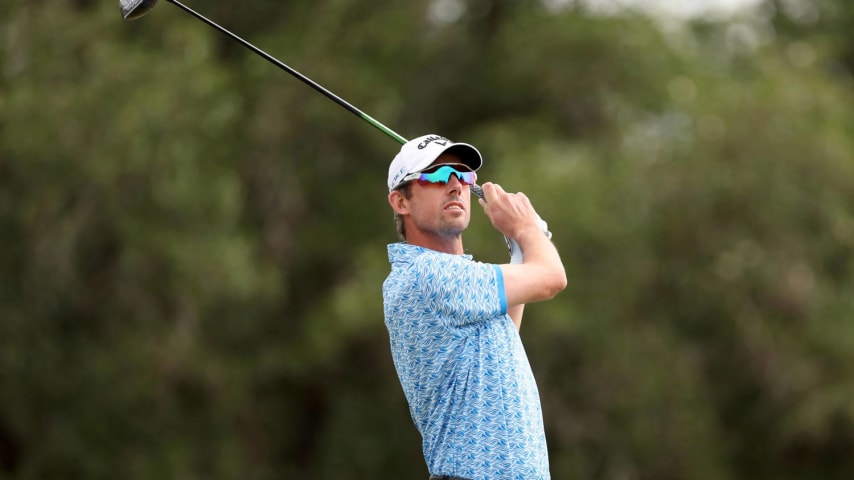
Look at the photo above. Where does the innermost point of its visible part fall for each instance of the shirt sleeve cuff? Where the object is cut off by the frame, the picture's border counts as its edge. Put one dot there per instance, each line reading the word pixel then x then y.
pixel 502 295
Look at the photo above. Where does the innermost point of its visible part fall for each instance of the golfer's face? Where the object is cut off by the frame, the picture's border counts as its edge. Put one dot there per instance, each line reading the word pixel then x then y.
pixel 441 208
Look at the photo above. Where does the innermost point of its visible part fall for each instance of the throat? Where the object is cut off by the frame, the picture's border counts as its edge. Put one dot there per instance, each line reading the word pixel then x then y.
pixel 452 244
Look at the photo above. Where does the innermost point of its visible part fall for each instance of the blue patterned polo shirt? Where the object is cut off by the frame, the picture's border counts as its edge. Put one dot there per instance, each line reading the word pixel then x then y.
pixel 462 366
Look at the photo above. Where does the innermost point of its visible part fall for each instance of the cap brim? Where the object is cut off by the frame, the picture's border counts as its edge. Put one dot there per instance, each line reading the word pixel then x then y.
pixel 467 154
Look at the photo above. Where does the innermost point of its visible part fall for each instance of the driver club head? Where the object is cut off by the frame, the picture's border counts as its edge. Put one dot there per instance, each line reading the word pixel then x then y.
pixel 133 9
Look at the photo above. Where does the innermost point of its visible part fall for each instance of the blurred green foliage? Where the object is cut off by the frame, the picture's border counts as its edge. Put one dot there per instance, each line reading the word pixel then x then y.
pixel 193 242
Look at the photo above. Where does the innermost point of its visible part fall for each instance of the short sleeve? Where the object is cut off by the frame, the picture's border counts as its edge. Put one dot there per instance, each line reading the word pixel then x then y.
pixel 460 290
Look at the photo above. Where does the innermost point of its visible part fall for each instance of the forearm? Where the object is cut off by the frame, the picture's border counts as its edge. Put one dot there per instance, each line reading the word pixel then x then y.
pixel 542 260
pixel 539 277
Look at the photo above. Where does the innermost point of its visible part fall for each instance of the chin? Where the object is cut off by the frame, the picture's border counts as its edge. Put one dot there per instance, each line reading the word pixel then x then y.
pixel 454 230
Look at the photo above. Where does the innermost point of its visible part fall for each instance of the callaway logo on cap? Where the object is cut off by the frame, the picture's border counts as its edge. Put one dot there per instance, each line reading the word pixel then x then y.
pixel 418 153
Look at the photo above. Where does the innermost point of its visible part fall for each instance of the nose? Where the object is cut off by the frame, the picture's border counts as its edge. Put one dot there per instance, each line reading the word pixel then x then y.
pixel 454 184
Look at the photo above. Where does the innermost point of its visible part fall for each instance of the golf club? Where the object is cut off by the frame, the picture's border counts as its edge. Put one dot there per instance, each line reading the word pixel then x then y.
pixel 133 9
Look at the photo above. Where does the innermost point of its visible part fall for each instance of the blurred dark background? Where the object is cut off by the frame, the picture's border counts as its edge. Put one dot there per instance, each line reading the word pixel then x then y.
pixel 192 243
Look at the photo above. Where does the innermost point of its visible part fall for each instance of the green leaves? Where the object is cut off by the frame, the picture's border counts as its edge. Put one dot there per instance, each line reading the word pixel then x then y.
pixel 193 242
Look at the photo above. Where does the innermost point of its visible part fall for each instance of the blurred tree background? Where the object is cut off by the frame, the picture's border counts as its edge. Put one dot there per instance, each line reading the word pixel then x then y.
pixel 192 243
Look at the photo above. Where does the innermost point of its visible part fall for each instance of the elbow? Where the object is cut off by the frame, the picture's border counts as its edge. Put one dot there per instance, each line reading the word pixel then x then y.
pixel 556 284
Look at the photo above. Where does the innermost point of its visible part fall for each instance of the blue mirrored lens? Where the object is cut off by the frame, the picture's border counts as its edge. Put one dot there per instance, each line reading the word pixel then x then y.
pixel 443 175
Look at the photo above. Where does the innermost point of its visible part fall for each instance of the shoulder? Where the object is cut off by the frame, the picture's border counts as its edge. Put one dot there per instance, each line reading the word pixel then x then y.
pixel 404 254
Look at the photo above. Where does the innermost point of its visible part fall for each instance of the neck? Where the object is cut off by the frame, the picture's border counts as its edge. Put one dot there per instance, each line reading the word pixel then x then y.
pixel 445 244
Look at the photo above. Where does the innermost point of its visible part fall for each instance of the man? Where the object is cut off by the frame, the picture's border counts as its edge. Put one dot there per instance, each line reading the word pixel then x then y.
pixel 453 322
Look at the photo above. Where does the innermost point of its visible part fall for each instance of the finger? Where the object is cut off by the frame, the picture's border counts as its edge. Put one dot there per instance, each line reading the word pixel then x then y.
pixel 525 199
pixel 496 192
pixel 489 191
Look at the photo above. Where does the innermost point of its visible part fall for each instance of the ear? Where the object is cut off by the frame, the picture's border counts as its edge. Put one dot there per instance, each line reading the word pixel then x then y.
pixel 398 202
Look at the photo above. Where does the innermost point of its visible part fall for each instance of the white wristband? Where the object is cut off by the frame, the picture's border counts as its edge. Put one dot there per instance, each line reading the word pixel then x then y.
pixel 545 227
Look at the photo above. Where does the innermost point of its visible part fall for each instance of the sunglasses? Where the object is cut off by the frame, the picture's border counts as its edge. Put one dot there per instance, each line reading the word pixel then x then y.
pixel 441 174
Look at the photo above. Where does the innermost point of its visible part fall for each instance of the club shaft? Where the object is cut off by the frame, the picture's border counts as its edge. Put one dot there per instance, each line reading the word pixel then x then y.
pixel 335 98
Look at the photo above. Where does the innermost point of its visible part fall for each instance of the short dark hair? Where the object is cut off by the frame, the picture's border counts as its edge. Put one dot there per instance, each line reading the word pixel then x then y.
pixel 406 190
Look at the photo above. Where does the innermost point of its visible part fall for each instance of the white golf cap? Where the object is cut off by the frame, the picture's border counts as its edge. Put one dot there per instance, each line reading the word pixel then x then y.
pixel 418 153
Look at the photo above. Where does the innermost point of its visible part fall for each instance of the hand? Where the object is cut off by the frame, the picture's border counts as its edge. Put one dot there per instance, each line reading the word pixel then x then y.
pixel 509 213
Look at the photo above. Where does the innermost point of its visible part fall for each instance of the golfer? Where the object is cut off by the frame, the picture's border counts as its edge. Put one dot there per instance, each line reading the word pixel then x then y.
pixel 453 323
